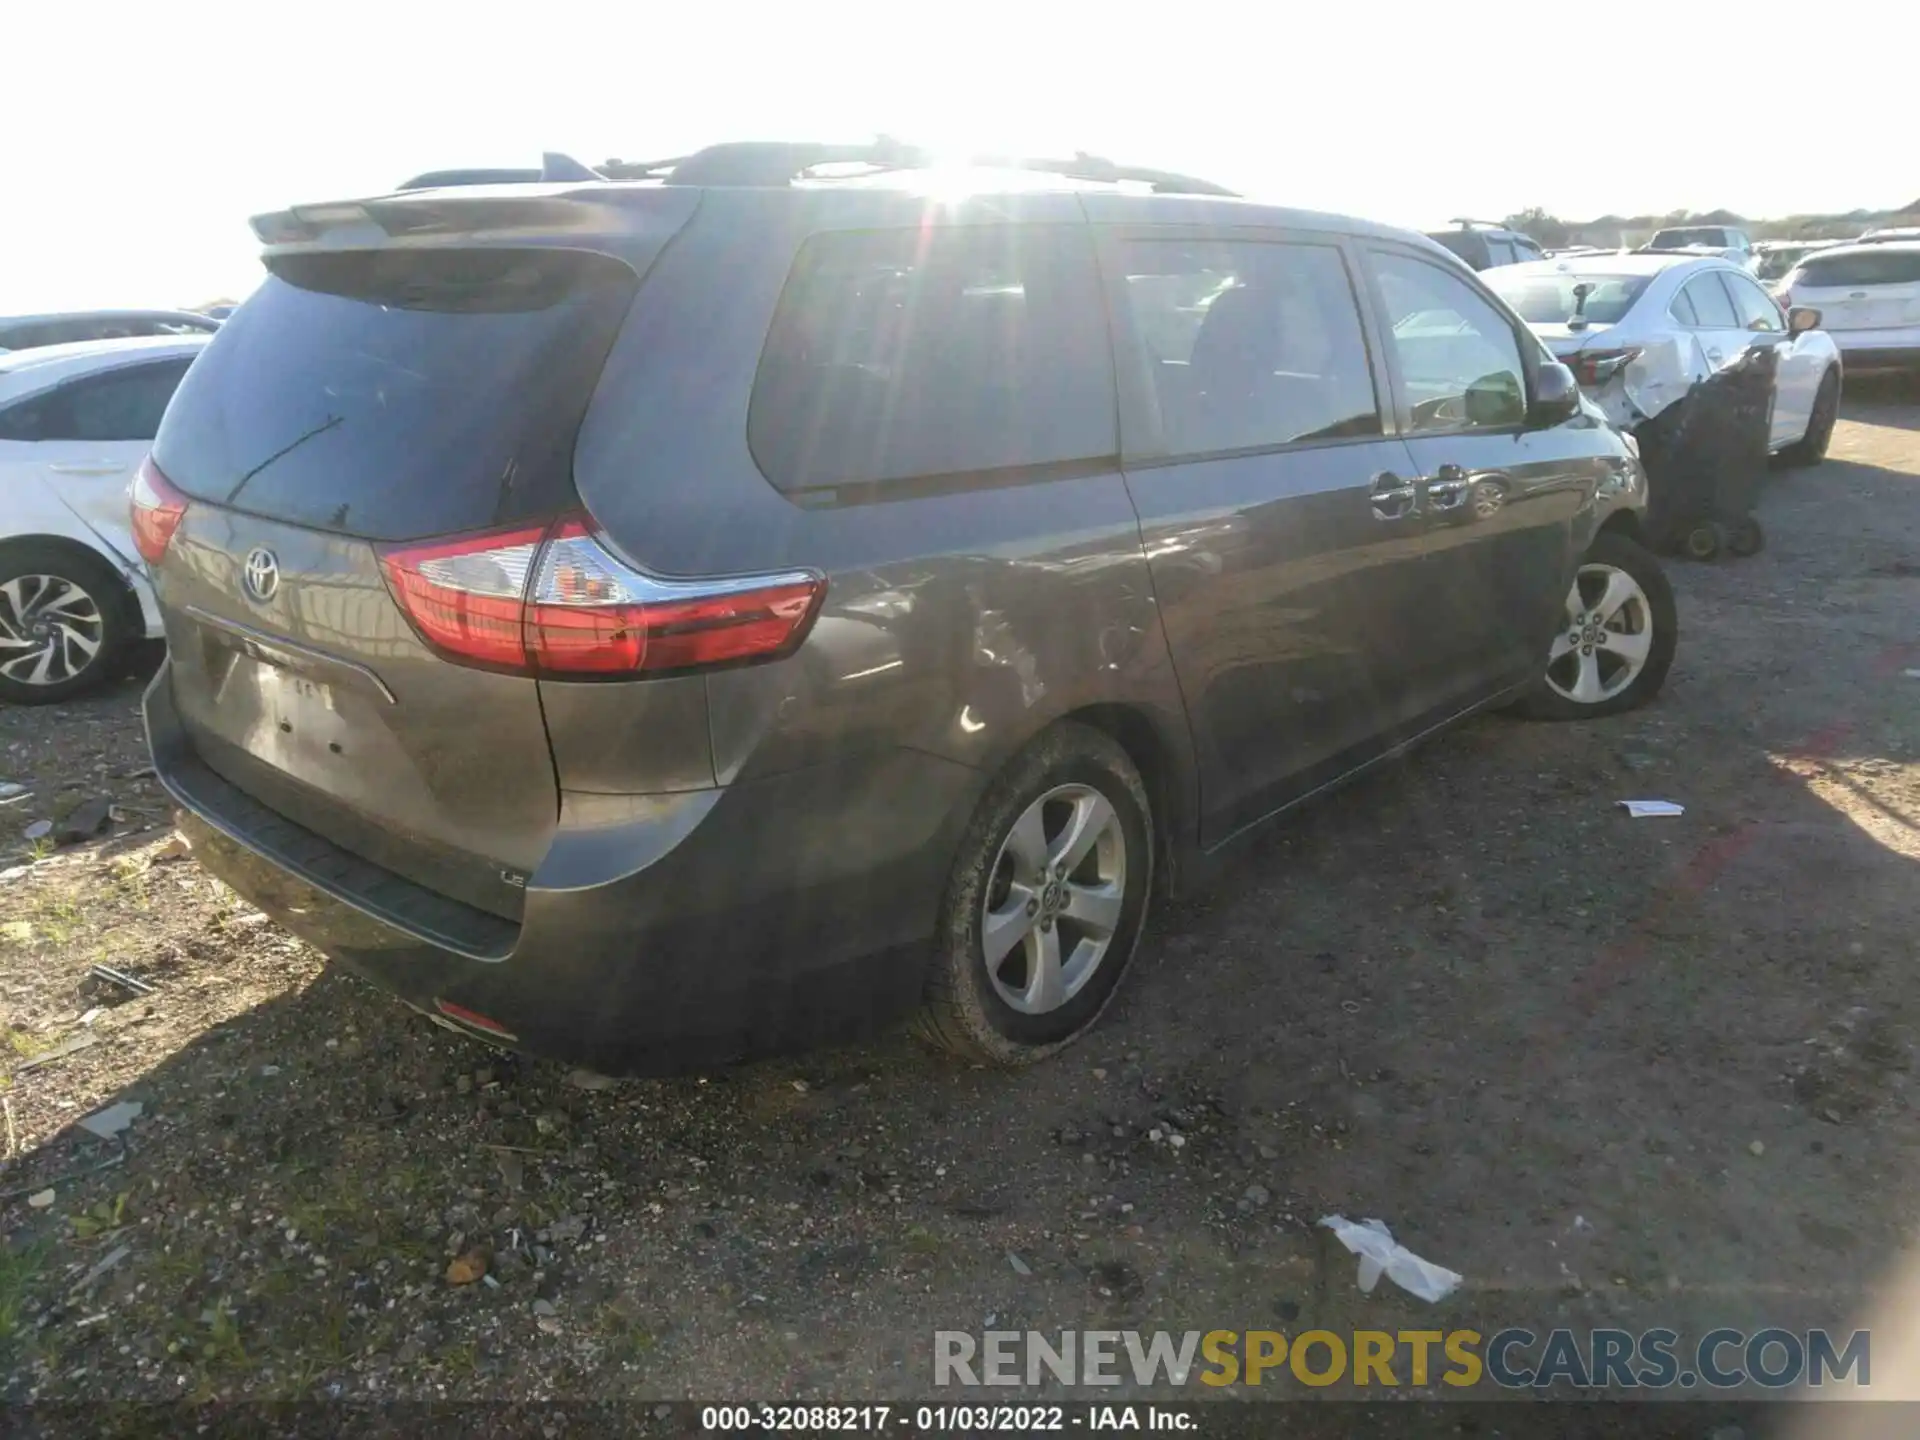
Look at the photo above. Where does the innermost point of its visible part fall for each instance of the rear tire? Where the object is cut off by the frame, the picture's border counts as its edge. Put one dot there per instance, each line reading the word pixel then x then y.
pixel 1811 448
pixel 1617 621
pixel 64 622
pixel 1007 891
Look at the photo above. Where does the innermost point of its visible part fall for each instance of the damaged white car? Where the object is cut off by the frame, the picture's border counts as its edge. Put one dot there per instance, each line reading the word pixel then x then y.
pixel 1640 331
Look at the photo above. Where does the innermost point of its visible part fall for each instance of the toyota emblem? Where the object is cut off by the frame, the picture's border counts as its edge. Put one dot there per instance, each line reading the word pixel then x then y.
pixel 262 574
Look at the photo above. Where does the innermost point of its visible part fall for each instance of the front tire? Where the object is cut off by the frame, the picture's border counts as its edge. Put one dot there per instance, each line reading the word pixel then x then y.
pixel 1617 637
pixel 1045 904
pixel 63 622
pixel 1811 448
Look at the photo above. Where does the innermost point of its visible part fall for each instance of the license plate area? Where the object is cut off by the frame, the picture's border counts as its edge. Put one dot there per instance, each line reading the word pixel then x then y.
pixel 285 716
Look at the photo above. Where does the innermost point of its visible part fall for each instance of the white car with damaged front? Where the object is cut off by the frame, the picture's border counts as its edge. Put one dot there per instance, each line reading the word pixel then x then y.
pixel 1640 331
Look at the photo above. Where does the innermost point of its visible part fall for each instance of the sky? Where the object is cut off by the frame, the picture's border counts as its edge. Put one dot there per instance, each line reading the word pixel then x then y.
pixel 139 138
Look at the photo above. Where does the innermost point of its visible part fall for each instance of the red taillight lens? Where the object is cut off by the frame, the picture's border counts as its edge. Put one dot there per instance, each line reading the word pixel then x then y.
pixel 467 597
pixel 1596 367
pixel 156 508
pixel 556 601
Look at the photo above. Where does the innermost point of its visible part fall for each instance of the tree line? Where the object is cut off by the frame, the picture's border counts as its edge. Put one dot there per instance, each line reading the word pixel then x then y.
pixel 1554 233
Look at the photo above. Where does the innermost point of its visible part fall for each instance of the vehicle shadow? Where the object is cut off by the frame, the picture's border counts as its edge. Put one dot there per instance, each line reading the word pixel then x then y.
pixel 1884 398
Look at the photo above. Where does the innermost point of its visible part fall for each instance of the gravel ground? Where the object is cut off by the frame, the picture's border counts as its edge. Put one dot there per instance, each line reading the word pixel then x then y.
pixel 1614 1071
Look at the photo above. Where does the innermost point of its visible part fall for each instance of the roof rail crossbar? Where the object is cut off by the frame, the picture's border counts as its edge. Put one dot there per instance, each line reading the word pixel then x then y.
pixel 780 163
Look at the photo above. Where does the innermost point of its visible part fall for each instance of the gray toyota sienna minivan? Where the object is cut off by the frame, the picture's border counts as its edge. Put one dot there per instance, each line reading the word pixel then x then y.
pixel 651 622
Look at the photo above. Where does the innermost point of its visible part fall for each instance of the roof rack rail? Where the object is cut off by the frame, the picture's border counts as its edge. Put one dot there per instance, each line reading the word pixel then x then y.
pixel 1467 224
pixel 775 162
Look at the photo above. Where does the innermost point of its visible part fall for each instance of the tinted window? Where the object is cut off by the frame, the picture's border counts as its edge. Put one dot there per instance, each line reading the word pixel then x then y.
pixel 1499 252
pixel 1464 243
pixel 1249 344
pixel 1526 249
pixel 1711 308
pixel 23 420
pixel 1756 311
pixel 124 405
pixel 1869 267
pixel 947 351
pixel 1548 298
pixel 1677 239
pixel 396 394
pixel 1682 310
pixel 1458 356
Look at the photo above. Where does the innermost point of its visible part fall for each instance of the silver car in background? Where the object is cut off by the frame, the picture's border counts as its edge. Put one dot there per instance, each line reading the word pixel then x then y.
pixel 1868 296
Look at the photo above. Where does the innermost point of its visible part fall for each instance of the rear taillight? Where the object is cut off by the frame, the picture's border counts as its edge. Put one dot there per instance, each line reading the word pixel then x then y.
pixel 157 509
pixel 556 601
pixel 1596 367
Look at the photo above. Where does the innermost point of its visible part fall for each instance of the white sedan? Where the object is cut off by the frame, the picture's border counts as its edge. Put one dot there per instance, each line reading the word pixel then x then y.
pixel 75 422
pixel 1640 331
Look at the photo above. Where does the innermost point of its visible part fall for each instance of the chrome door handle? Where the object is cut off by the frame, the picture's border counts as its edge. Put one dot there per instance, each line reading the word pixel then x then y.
pixel 1393 498
pixel 1448 487
pixel 1715 356
pixel 84 467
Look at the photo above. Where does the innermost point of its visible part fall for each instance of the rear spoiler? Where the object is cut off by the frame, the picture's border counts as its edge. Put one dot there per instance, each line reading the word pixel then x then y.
pixel 559 214
pixel 554 168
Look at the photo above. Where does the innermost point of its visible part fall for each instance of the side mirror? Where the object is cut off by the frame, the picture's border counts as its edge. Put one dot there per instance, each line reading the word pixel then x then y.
pixel 1802 318
pixel 1556 396
pixel 1496 400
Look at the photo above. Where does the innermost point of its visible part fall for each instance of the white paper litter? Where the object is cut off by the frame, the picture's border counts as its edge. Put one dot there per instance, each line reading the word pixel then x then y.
pixel 111 1121
pixel 1381 1254
pixel 1641 809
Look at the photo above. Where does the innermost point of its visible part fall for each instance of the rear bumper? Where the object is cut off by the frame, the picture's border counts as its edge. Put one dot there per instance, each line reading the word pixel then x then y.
pixel 661 933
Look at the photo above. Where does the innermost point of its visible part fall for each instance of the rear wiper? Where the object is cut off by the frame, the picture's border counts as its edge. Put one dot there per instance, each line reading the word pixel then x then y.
pixel 320 429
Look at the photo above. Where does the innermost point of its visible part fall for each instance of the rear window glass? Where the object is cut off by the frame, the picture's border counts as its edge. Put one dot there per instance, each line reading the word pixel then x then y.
pixel 949 351
pixel 1869 267
pixel 396 395
pixel 1550 299
pixel 1691 235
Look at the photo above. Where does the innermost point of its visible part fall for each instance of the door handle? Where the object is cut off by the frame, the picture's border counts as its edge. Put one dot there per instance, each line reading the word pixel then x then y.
pixel 84 467
pixel 1393 498
pixel 1448 487
pixel 1715 356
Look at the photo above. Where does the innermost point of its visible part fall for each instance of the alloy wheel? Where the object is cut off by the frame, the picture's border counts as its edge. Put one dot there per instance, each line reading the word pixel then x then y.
pixel 50 629
pixel 1606 639
pixel 1055 899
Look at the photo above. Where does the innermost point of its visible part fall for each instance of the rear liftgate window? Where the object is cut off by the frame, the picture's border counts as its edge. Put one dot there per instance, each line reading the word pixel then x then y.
pixel 938 352
pixel 1893 267
pixel 395 395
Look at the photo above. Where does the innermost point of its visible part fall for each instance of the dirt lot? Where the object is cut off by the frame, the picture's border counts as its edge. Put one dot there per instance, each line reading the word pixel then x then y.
pixel 1614 1071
